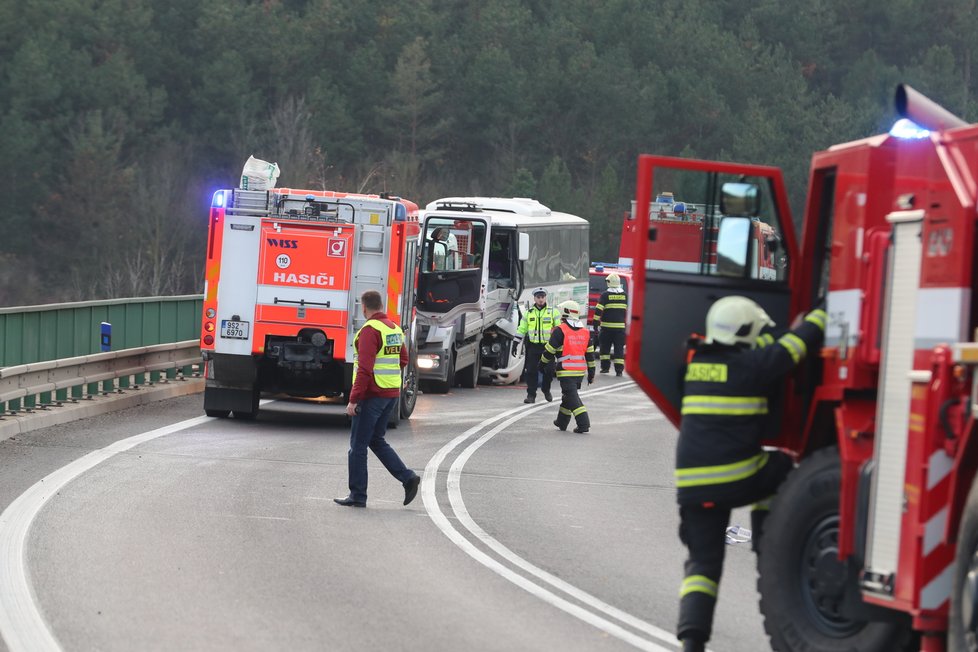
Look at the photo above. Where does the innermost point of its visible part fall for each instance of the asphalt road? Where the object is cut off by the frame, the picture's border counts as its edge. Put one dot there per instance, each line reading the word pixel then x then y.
pixel 156 528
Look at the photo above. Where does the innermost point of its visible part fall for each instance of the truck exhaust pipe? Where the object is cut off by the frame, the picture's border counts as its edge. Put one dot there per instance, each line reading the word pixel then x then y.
pixel 923 111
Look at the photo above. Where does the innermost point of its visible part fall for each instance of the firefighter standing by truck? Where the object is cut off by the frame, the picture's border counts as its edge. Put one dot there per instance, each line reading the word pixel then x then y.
pixel 609 324
pixel 720 464
pixel 570 345
pixel 536 326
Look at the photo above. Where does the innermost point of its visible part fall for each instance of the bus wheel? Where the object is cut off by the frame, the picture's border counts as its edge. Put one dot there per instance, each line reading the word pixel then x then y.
pixel 469 377
pixel 220 414
pixel 802 582
pixel 963 632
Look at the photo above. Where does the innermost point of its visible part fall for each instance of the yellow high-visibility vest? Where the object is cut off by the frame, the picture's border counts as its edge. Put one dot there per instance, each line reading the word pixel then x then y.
pixel 387 366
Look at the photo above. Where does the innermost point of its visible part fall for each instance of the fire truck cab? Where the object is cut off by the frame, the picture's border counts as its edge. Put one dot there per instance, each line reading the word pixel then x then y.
pixel 285 270
pixel 872 541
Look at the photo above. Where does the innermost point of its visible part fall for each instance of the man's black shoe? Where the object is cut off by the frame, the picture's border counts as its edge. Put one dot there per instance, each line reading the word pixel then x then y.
pixel 618 373
pixel 349 502
pixel 530 399
pixel 411 489
pixel 547 395
pixel 560 427
pixel 581 430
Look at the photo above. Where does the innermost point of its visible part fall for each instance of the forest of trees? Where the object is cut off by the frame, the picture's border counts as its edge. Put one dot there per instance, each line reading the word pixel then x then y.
pixel 118 118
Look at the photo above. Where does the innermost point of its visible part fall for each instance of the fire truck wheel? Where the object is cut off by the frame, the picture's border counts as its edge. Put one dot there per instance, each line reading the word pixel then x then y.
pixel 963 632
pixel 409 391
pixel 801 581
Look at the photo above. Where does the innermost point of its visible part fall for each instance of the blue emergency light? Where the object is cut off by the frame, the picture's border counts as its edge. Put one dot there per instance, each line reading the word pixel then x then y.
pixel 218 200
pixel 908 130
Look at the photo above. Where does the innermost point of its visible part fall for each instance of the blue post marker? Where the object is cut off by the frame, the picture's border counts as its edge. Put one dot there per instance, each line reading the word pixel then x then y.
pixel 106 336
pixel 106 342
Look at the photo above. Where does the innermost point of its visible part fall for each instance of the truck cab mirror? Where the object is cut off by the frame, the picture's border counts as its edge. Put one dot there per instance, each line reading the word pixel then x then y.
pixel 733 243
pixel 523 246
pixel 740 199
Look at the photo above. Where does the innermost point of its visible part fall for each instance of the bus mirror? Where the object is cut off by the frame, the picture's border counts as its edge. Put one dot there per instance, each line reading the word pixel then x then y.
pixel 733 242
pixel 523 246
pixel 741 199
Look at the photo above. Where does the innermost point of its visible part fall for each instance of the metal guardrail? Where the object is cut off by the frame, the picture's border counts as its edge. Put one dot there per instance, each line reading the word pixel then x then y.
pixel 63 330
pixel 51 383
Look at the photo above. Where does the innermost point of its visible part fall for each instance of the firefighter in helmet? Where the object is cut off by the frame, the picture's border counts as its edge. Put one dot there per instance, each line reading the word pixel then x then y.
pixel 609 324
pixel 535 326
pixel 570 345
pixel 720 464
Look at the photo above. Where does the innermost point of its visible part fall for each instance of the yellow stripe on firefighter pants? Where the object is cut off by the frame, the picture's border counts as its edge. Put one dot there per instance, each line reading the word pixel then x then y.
pixel 698 583
pixel 709 475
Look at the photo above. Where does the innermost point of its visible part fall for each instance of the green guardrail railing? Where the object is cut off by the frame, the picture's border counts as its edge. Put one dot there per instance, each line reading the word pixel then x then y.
pixel 67 330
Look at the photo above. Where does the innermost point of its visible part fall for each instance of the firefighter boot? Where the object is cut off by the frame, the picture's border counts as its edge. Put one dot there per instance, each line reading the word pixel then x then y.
pixel 693 645
pixel 530 398
pixel 563 418
pixel 583 423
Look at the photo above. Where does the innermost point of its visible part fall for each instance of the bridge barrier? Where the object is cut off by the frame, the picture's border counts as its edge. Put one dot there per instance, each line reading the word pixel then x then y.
pixel 52 383
pixel 65 330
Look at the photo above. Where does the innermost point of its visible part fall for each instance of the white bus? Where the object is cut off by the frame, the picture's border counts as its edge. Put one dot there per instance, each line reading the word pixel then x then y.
pixel 480 259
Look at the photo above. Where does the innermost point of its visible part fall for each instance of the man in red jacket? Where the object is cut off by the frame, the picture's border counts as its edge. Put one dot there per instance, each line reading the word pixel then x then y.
pixel 380 355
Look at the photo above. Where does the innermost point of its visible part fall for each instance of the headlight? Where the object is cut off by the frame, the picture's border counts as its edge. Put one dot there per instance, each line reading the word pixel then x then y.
pixel 428 361
pixel 485 350
pixel 497 347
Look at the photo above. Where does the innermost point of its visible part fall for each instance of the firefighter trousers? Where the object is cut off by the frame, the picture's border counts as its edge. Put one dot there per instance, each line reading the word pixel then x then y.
pixel 571 404
pixel 535 373
pixel 608 339
pixel 702 528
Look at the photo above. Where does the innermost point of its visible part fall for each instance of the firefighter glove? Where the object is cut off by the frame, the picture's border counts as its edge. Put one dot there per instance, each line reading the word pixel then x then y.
pixel 516 347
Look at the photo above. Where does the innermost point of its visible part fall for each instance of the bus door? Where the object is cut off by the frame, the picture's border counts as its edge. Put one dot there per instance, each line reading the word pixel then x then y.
pixel 670 302
pixel 452 274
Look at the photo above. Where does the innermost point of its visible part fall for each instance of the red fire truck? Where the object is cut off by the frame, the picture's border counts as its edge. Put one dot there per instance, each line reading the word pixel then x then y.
pixel 872 542
pixel 285 270
pixel 683 239
pixel 598 283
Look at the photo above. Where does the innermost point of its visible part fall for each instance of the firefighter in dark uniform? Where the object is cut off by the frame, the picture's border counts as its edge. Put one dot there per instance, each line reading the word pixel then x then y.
pixel 720 464
pixel 609 324
pixel 535 326
pixel 570 345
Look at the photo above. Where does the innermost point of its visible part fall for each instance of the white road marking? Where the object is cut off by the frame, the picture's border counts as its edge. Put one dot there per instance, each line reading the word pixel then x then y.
pixel 22 625
pixel 461 514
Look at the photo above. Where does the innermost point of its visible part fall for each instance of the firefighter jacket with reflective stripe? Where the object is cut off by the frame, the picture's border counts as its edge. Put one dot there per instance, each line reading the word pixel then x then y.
pixel 571 346
pixel 537 324
pixel 379 355
pixel 725 406
pixel 611 309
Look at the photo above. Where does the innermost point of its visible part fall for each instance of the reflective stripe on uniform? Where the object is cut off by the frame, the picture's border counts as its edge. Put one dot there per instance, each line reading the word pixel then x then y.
pixel 709 475
pixel 580 410
pixel 612 325
pixel 817 317
pixel 794 345
pixel 700 584
pixel 764 340
pixel 726 405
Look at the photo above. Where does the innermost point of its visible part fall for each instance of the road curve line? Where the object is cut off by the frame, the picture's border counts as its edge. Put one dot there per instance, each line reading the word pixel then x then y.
pixel 22 625
pixel 430 501
pixel 461 512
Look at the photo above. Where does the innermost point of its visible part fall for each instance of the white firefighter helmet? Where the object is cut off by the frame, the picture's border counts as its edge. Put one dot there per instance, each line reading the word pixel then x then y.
pixel 614 281
pixel 735 320
pixel 570 310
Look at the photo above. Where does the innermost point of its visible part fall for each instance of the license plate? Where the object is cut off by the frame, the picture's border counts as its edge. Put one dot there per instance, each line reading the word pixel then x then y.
pixel 237 330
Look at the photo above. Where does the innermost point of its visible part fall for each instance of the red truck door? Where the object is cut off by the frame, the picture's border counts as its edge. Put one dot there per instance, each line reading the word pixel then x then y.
pixel 670 304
